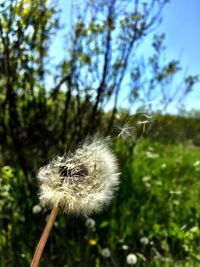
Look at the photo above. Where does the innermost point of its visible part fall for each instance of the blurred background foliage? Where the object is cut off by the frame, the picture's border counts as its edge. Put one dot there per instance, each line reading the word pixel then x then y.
pixel 156 213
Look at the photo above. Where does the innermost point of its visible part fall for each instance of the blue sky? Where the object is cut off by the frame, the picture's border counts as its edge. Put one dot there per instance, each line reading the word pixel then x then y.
pixel 181 24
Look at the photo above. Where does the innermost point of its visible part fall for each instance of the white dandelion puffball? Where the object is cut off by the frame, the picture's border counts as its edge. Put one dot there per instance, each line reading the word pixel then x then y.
pixel 106 252
pixel 131 259
pixel 82 182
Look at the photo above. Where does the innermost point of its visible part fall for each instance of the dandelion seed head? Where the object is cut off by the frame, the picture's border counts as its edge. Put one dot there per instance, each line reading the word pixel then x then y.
pixel 106 252
pixel 131 259
pixel 82 182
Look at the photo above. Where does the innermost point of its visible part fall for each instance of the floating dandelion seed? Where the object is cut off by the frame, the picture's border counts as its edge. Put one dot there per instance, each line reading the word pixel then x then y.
pixel 124 131
pixel 80 183
pixel 143 123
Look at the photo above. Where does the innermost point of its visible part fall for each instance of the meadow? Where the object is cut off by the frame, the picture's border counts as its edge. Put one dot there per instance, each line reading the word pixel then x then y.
pixel 155 215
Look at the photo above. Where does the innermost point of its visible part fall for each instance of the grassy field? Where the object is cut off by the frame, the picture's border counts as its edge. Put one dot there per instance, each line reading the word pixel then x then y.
pixel 155 215
pixel 159 200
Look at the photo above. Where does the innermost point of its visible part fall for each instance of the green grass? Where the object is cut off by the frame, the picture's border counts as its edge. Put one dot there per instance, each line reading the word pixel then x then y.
pixel 160 195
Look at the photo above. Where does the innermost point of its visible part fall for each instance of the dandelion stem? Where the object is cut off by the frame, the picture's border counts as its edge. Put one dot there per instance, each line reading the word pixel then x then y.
pixel 44 237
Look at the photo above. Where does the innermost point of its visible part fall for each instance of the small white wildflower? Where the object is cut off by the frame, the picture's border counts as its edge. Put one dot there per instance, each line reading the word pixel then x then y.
pixel 82 182
pixel 131 259
pixel 144 240
pixel 151 155
pixel 197 163
pixel 146 179
pixel 178 193
pixel 159 183
pixel 163 166
pixel 125 247
pixel 56 224
pixel 105 252
pixel 90 223
pixel 151 148
pixel 36 209
pixel 148 185
pixel 176 202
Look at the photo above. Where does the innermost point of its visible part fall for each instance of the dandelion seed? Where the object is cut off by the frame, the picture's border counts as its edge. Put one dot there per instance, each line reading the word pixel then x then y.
pixel 131 259
pixel 143 122
pixel 147 116
pixel 124 131
pixel 106 252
